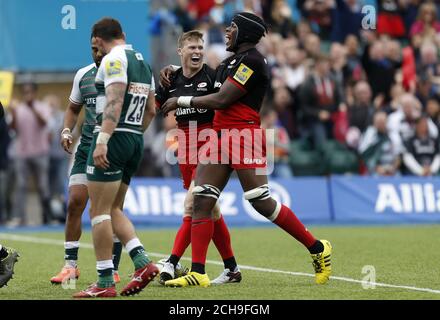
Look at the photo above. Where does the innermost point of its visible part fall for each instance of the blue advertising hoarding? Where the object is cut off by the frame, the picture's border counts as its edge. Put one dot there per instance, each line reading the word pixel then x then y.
pixel 160 201
pixel 339 199
pixel 385 199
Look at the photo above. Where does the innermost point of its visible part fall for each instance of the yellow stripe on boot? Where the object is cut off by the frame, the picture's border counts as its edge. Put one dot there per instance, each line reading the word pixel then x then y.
pixel 192 279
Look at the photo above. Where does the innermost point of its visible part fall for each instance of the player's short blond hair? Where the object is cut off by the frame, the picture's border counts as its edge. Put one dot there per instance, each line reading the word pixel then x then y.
pixel 190 35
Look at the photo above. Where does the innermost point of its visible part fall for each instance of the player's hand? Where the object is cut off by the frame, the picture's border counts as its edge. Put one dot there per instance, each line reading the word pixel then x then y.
pixel 100 156
pixel 426 171
pixel 165 76
pixel 66 140
pixel 169 105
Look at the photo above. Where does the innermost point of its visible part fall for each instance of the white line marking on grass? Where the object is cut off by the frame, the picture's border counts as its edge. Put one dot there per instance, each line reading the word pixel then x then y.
pixel 16 237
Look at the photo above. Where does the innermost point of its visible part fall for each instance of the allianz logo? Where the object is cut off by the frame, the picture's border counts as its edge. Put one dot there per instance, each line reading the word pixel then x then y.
pixel 408 198
pixel 163 201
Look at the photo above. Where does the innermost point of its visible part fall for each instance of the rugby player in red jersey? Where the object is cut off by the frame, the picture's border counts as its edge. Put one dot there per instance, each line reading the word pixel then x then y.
pixel 196 79
pixel 242 80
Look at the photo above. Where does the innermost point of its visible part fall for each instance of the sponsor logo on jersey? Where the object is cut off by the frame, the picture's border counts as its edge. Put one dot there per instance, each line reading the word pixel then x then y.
pixel 233 61
pixel 138 88
pixel 91 101
pixel 139 56
pixel 243 73
pixel 217 84
pixel 202 86
pixel 185 111
pixel 113 68
pixel 254 161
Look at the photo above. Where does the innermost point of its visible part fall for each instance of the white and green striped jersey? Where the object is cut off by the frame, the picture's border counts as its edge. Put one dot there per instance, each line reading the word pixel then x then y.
pixel 125 65
pixel 84 93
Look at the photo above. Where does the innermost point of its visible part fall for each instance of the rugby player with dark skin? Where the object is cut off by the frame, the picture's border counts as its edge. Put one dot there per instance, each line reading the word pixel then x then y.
pixel 194 78
pixel 243 79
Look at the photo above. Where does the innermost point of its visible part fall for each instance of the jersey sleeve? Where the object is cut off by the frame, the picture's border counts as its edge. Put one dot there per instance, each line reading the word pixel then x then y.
pixel 114 68
pixel 247 74
pixel 153 84
pixel 75 93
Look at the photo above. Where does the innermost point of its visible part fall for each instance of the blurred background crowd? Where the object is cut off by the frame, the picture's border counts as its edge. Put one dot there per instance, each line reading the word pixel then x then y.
pixel 354 83
pixel 355 89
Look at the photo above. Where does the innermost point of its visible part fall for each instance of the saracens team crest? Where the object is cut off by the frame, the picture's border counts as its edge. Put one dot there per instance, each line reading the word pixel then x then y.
pixel 202 86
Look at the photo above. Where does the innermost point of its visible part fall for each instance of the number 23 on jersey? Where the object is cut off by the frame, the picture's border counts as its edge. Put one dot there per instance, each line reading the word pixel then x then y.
pixel 139 95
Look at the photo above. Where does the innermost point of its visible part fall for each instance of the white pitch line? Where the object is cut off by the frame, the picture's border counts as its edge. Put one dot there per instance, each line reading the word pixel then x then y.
pixel 16 237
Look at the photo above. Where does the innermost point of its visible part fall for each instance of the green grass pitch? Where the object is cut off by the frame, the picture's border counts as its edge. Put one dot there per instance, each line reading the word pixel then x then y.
pixel 404 256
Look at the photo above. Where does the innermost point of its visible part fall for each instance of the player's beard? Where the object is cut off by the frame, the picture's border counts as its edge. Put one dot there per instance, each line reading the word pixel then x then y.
pixel 232 41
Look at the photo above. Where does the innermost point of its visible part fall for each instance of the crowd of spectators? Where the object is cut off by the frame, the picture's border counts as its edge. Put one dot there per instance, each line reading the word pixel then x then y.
pixel 31 158
pixel 363 73
pixel 342 73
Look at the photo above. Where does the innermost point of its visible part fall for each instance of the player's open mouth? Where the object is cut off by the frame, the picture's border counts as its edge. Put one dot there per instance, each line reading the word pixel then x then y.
pixel 227 39
pixel 195 59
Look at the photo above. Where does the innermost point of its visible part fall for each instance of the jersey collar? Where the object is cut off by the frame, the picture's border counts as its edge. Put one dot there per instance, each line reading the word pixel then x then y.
pixel 125 46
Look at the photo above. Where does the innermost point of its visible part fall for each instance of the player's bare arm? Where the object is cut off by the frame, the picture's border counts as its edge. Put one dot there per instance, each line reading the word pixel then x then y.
pixel 228 94
pixel 150 111
pixel 70 120
pixel 112 111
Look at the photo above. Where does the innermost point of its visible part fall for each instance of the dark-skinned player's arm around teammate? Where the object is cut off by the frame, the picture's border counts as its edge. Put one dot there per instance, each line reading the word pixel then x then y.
pixel 228 94
pixel 236 79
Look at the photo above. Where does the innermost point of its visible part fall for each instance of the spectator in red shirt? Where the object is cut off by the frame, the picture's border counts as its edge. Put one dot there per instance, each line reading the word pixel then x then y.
pixel 427 24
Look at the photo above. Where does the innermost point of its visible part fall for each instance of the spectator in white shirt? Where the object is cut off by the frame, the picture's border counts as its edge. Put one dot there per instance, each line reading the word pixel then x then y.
pixel 421 156
pixel 401 123
pixel 30 120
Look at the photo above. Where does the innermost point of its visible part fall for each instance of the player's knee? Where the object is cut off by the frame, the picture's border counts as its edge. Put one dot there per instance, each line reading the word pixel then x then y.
pixel 265 207
pixel 205 198
pixel 188 209
pixel 100 218
pixel 75 206
pixel 261 200
pixel 216 212
pixel 202 206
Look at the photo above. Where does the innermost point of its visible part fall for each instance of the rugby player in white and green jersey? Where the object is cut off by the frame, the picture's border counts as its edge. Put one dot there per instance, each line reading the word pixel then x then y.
pixel 125 106
pixel 83 94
